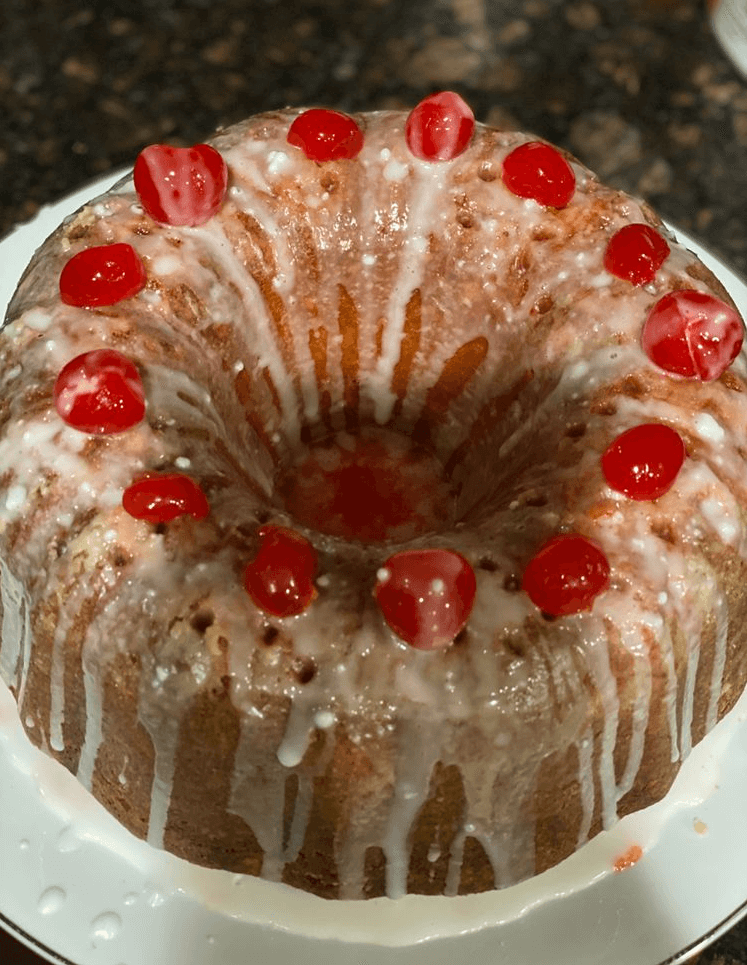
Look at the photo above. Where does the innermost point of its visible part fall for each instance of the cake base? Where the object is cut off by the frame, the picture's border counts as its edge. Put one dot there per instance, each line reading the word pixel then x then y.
pixel 79 889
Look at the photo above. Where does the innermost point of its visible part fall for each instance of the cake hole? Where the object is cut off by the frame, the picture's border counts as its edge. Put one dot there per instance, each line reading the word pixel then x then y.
pixel 548 617
pixel 202 620
pixel 486 172
pixel 543 233
pixel 633 387
pixel 535 500
pixel 604 408
pixel 576 430
pixel 460 638
pixel 371 487
pixel 465 220
pixel 328 183
pixel 225 685
pixel 515 646
pixel 488 564
pixel 664 530
pixel 160 528
pixel 304 669
pixel 512 583
pixel 270 636
pixel 543 305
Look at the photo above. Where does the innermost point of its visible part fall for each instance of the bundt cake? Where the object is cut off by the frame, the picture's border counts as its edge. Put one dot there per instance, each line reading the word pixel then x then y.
pixel 371 502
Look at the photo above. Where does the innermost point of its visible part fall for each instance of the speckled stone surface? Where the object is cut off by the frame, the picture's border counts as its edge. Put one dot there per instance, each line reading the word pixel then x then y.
pixel 637 89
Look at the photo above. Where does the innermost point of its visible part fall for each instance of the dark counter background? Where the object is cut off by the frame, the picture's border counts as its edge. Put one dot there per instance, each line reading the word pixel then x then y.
pixel 637 89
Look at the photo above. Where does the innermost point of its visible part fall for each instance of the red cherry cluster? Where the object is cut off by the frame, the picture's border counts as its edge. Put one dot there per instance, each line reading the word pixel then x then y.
pixel 101 392
pixel 425 596
pixel 438 129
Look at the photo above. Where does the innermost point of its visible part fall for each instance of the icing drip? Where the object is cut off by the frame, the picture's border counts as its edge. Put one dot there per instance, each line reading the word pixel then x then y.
pixel 411 782
pixel 584 748
pixel 164 732
pixel 15 632
pixel 423 215
pixel 721 612
pixel 606 685
pixel 94 732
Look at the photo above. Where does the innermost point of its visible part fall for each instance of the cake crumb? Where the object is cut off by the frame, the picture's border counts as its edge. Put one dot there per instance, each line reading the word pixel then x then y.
pixel 628 858
pixel 700 827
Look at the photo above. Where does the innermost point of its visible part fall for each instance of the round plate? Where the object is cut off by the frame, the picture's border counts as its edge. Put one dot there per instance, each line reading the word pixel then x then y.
pixel 78 888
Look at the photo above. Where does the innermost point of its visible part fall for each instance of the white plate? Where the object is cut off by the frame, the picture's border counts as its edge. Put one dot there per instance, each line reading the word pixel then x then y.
pixel 77 888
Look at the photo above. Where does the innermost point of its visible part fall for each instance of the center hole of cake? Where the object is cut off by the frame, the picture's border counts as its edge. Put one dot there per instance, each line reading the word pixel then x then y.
pixel 375 486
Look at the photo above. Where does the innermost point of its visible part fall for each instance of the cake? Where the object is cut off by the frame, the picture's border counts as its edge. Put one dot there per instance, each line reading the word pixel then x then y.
pixel 371 502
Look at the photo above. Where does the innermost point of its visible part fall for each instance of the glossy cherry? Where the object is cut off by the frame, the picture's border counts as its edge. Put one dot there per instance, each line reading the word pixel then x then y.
pixel 100 392
pixel 280 579
pixel 440 127
pixel 566 575
pixel 643 462
pixel 325 135
pixel 538 171
pixel 635 253
pixel 181 185
pixel 692 334
pixel 102 275
pixel 162 499
pixel 426 596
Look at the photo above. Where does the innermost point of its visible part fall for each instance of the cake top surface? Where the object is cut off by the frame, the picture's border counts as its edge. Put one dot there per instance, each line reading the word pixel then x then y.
pixel 377 317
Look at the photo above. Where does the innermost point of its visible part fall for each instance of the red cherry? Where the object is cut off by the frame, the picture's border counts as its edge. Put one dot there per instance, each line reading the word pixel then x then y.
pixel 325 135
pixel 440 127
pixel 635 253
pixel 100 392
pixel 566 575
pixel 181 185
pixel 539 171
pixel 643 462
pixel 280 579
pixel 692 334
pixel 426 596
pixel 103 275
pixel 161 499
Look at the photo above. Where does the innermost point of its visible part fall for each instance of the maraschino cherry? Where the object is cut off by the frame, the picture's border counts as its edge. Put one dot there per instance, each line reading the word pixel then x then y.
pixel 566 575
pixel 440 127
pixel 102 275
pixel 100 392
pixel 280 579
pixel 635 253
pixel 181 185
pixel 325 135
pixel 162 499
pixel 426 596
pixel 643 462
pixel 538 171
pixel 692 334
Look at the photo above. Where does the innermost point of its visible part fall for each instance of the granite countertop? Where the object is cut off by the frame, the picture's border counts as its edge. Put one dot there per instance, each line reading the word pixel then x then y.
pixel 637 89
